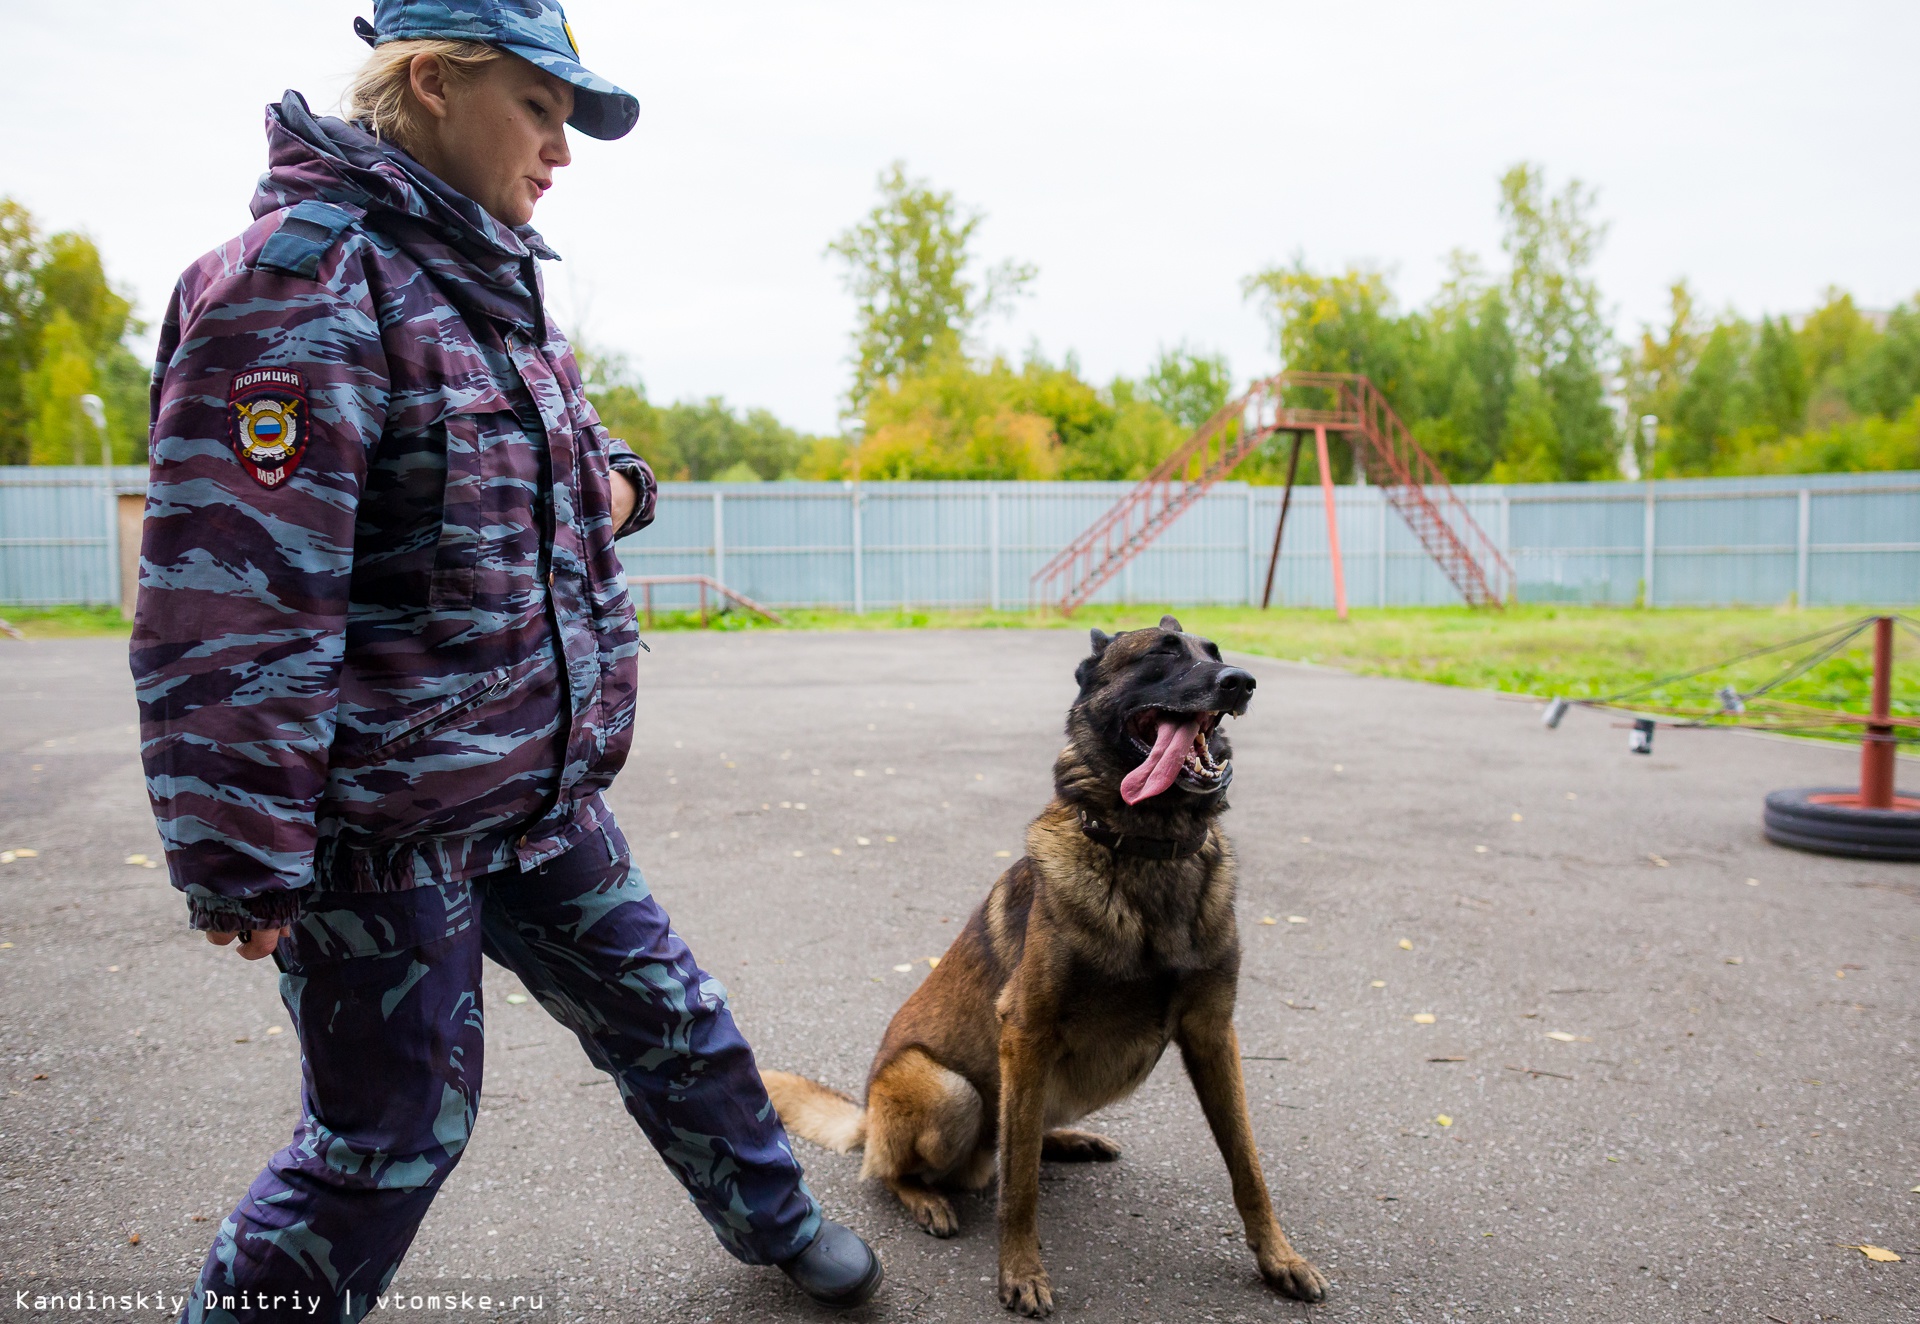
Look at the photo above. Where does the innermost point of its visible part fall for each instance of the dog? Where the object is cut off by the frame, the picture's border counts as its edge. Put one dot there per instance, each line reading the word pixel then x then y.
pixel 1113 937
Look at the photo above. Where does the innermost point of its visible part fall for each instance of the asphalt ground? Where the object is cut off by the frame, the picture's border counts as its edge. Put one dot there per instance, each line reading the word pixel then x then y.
pixel 1678 1063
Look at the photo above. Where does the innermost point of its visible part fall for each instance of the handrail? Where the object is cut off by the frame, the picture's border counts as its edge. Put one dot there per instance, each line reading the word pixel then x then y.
pixel 1406 474
pixel 648 582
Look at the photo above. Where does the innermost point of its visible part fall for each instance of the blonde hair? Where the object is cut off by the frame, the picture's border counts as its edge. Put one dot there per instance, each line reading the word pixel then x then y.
pixel 381 94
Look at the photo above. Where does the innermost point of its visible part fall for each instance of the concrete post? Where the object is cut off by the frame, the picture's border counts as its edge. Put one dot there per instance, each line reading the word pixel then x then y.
pixel 1646 552
pixel 993 550
pixel 1803 550
pixel 859 585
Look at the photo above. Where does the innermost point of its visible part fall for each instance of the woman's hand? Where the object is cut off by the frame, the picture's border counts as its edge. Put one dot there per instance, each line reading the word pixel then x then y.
pixel 624 497
pixel 258 943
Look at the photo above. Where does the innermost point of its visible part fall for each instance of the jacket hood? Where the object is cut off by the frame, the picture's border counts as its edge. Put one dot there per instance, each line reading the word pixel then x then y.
pixel 482 264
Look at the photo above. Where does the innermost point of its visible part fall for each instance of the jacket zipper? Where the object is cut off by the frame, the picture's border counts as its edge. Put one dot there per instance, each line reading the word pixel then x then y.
pixel 440 720
pixel 548 532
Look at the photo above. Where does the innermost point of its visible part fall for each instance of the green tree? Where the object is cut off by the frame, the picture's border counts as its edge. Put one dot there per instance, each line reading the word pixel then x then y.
pixel 1190 387
pixel 704 440
pixel 1655 370
pixel 63 329
pixel 908 267
pixel 1714 402
pixel 1835 336
pixel 1558 326
pixel 1137 433
pixel 1344 323
pixel 1884 379
pixel 1779 401
pixel 953 420
pixel 957 419
pixel 718 443
pixel 1463 364
pixel 20 325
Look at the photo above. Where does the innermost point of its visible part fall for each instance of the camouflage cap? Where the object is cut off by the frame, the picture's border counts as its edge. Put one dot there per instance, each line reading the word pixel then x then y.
pixel 535 30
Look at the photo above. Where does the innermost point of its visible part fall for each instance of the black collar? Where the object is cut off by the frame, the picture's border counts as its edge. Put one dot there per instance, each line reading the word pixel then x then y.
pixel 1151 848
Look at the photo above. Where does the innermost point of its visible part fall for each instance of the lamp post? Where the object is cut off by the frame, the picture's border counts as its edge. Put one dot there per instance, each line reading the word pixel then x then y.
pixel 1650 432
pixel 96 411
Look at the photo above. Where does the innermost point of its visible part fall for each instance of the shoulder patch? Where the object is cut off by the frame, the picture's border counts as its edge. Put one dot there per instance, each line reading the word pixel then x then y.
pixel 267 420
pixel 306 231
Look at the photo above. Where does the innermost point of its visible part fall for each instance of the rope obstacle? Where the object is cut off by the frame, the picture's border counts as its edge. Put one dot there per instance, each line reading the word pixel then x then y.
pixel 1868 821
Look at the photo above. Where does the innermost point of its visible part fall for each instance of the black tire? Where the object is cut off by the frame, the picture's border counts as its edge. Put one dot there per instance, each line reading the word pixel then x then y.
pixel 1793 819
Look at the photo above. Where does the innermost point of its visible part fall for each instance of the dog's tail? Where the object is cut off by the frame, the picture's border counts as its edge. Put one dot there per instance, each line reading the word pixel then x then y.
pixel 812 1111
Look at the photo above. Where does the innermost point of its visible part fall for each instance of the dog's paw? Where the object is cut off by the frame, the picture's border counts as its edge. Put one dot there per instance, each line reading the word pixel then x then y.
pixel 936 1216
pixel 1028 1293
pixel 1295 1278
pixel 1078 1147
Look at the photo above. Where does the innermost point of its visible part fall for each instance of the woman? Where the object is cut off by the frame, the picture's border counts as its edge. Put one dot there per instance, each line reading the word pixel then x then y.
pixel 386 667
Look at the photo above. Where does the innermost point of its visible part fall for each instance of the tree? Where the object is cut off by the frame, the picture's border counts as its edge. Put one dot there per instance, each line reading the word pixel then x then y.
pixel 1885 378
pixel 20 319
pixel 952 420
pixel 1715 401
pixel 704 440
pixel 1779 401
pixel 1654 373
pixel 907 265
pixel 1344 323
pixel 1188 386
pixel 63 329
pixel 1461 380
pixel 718 444
pixel 1558 327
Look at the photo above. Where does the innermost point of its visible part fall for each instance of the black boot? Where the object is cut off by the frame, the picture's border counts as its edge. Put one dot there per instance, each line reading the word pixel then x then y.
pixel 837 1268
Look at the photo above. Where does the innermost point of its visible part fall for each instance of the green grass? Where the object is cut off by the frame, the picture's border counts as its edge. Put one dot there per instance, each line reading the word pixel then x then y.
pixel 1578 652
pixel 64 622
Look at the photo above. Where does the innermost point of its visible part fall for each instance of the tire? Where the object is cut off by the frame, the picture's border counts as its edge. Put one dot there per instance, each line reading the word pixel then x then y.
pixel 1794 819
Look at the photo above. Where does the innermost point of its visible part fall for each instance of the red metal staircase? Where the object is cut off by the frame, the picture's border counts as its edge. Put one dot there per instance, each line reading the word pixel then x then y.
pixel 1411 482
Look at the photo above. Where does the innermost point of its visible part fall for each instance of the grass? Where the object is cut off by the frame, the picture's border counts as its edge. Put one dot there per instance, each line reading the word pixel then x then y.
pixel 64 622
pixel 1578 652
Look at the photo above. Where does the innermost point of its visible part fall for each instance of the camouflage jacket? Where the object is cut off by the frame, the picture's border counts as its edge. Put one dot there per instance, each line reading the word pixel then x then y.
pixel 383 636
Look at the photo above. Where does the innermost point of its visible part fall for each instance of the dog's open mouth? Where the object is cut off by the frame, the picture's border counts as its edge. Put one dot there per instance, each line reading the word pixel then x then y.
pixel 1176 749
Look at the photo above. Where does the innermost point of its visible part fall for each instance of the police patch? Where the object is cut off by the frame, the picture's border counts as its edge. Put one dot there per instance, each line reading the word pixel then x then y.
pixel 267 415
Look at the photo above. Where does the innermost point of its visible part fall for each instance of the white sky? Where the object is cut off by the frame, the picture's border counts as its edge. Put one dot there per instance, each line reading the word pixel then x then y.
pixel 1144 156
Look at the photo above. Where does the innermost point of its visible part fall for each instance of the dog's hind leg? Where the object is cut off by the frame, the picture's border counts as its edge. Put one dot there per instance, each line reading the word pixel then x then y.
pixel 933 1211
pixel 923 1123
pixel 1068 1146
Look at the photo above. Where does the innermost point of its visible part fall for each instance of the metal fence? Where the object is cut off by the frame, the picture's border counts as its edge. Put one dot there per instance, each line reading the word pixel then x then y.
pixel 1821 539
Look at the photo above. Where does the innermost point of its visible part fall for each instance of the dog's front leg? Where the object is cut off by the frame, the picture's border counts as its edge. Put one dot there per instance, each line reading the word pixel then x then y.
pixel 1026 1055
pixel 1211 1051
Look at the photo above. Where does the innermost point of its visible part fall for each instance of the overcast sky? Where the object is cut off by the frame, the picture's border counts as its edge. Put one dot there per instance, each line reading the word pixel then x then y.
pixel 1145 157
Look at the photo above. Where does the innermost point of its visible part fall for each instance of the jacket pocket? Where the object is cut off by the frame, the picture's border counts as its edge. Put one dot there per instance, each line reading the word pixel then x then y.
pixel 442 714
pixel 475 446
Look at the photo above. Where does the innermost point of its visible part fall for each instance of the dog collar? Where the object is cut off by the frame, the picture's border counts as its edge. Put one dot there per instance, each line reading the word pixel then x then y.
pixel 1151 848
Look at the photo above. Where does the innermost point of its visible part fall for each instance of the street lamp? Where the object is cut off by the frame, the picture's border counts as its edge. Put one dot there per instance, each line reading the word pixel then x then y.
pixel 96 411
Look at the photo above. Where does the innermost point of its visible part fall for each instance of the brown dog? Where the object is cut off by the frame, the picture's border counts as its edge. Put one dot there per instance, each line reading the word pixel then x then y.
pixel 1113 937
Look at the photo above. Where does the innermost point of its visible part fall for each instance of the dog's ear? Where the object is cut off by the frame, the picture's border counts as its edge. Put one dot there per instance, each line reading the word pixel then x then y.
pixel 1168 623
pixel 1083 674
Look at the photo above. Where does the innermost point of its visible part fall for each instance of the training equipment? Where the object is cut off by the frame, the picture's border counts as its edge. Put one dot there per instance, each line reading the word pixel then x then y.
pixel 1872 822
pixel 1299 403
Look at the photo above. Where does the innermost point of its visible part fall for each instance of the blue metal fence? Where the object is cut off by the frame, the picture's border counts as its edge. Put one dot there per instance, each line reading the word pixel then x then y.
pixel 1820 539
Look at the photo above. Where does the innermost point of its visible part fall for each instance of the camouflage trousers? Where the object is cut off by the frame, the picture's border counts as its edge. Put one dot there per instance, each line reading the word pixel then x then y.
pixel 384 990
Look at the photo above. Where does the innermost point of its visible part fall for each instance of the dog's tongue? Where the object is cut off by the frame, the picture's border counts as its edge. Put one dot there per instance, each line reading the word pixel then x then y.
pixel 1170 749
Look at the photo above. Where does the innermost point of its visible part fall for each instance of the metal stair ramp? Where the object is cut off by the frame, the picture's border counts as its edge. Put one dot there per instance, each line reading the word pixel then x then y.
pixel 1343 402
